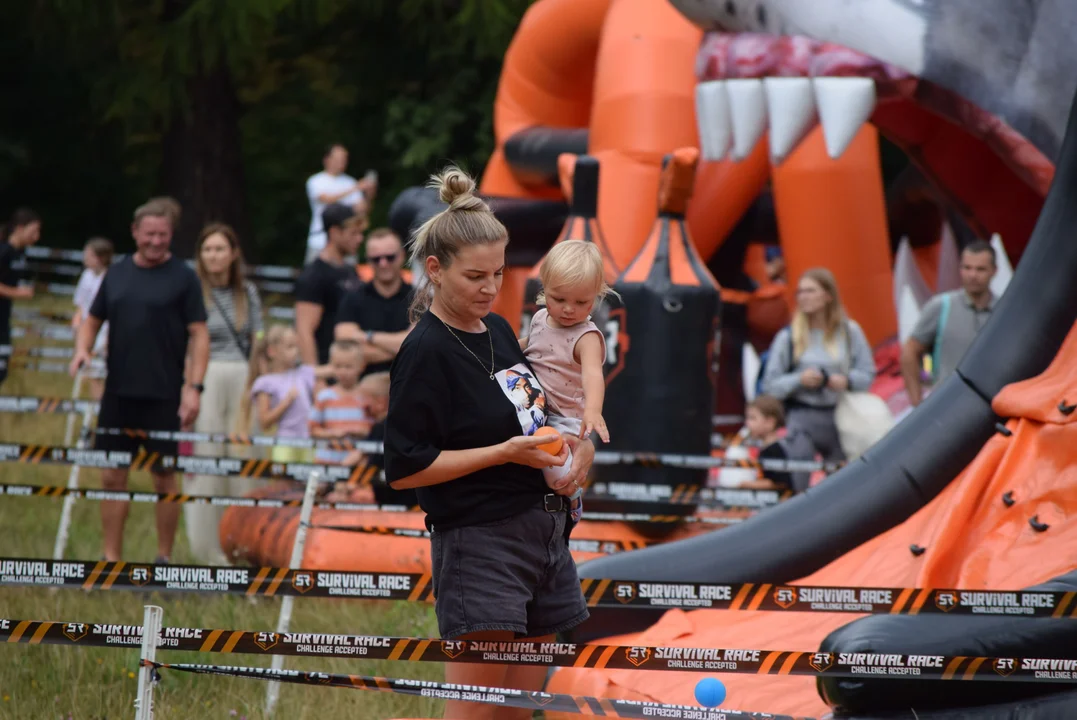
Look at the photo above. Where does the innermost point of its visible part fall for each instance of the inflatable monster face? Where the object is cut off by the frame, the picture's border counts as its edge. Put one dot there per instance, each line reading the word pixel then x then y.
pixel 1014 60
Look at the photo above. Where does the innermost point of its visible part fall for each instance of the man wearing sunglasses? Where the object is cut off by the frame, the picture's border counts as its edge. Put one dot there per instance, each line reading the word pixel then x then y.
pixel 376 314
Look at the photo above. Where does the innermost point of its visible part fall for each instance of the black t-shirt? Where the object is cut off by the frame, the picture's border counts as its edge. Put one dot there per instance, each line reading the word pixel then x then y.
pixel 148 311
pixel 440 398
pixel 12 272
pixel 325 284
pixel 383 494
pixel 370 310
pixel 781 478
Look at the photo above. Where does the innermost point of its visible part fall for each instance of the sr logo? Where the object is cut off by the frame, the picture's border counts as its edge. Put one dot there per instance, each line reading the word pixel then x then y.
pixel 785 597
pixel 638 655
pixel 266 640
pixel 140 575
pixel 945 601
pixel 624 592
pixel 453 648
pixel 821 661
pixel 1004 666
pixel 617 342
pixel 302 581
pixel 75 631
pixel 540 698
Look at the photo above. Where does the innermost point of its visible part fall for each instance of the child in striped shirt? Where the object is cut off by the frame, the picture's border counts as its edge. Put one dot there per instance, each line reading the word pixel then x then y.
pixel 342 411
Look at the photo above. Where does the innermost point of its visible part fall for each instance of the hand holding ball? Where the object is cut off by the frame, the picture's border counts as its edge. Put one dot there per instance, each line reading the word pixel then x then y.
pixel 555 472
pixel 554 445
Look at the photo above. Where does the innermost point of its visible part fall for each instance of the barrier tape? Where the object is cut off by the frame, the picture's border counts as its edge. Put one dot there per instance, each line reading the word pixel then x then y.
pixel 606 593
pixel 95 368
pixel 30 404
pixel 75 256
pixel 57 491
pixel 63 333
pixel 606 547
pixel 551 654
pixel 503 697
pixel 192 464
pixel 722 499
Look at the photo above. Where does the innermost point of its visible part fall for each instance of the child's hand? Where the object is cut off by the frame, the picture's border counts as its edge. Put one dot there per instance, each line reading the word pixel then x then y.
pixel 593 421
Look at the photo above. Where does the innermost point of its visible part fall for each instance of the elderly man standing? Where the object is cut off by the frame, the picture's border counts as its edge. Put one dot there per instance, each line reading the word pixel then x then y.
pixel 153 304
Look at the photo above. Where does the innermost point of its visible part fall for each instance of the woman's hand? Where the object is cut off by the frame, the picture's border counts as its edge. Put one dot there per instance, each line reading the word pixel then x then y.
pixel 811 378
pixel 838 383
pixel 524 450
pixel 583 455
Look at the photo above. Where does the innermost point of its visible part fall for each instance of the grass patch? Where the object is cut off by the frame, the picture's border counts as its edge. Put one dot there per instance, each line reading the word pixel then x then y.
pixel 56 682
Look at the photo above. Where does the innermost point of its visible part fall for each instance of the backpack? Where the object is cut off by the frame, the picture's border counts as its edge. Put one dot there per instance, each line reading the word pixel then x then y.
pixel 936 351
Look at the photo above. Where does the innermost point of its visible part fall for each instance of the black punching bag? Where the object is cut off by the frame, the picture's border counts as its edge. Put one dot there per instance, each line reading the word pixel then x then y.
pixel 579 181
pixel 660 384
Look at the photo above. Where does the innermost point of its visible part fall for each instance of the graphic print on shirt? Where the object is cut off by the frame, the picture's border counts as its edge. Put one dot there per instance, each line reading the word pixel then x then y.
pixel 522 388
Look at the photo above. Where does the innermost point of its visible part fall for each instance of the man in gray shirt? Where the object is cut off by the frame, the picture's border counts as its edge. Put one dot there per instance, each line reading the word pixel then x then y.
pixel 950 321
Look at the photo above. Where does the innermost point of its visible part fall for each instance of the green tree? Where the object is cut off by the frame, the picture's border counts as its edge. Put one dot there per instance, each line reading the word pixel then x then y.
pixel 227 106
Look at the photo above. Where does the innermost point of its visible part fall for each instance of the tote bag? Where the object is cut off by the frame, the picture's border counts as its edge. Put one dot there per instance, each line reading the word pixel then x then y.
pixel 862 418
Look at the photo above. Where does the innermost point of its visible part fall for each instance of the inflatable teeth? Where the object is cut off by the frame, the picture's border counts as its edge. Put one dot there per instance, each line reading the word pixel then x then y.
pixel 712 116
pixel 748 114
pixel 791 109
pixel 845 104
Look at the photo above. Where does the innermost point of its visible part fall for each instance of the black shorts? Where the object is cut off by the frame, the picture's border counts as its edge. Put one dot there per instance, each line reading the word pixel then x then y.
pixel 515 574
pixel 137 414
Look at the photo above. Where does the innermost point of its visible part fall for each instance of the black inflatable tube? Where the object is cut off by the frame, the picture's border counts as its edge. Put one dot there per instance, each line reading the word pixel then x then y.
pixel 917 459
pixel 533 225
pixel 964 635
pixel 1059 705
pixel 532 153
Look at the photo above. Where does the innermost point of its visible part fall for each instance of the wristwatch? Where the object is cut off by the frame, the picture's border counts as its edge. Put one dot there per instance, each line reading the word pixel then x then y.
pixel 199 387
pixel 370 336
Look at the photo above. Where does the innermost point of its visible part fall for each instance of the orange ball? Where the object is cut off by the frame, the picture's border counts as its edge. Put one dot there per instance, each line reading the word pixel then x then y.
pixel 554 445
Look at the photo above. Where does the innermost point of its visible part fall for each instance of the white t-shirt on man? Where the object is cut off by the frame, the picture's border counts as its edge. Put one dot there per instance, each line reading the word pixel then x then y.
pixel 325 184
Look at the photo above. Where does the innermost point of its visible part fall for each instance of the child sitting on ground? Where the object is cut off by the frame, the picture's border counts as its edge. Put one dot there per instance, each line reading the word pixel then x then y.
pixel 342 411
pixel 565 348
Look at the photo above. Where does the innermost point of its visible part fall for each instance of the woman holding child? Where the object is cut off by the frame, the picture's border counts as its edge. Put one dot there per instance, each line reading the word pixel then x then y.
pixel 500 561
pixel 234 309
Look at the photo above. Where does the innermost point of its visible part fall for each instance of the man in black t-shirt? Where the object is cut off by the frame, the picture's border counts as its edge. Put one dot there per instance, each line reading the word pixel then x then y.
pixel 22 232
pixel 324 282
pixel 153 304
pixel 376 314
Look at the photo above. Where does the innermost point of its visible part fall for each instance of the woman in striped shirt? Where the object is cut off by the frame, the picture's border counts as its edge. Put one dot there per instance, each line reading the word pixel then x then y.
pixel 234 312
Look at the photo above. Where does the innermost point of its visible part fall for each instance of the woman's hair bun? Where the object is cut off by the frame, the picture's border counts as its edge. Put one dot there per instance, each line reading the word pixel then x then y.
pixel 457 189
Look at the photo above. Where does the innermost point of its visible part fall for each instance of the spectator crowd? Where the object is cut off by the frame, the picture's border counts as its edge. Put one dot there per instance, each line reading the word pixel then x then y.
pixel 189 349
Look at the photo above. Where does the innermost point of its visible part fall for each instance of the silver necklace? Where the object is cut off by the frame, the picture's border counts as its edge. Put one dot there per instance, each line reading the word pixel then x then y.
pixel 491 336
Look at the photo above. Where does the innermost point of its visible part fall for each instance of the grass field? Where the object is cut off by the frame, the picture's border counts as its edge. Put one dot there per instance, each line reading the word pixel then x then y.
pixel 63 683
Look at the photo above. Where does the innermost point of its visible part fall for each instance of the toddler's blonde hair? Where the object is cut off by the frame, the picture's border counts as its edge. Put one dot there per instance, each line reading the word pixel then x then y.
pixel 574 263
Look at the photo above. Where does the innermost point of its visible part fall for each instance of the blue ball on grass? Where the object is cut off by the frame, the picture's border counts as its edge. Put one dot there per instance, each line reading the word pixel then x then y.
pixel 710 692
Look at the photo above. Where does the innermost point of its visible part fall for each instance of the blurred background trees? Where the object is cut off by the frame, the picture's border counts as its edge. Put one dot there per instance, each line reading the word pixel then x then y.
pixel 228 106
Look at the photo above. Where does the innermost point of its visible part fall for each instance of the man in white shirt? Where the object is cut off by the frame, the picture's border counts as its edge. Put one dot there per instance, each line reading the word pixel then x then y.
pixel 330 186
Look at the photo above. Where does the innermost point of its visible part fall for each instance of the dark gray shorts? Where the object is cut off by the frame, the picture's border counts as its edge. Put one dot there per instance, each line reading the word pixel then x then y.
pixel 514 574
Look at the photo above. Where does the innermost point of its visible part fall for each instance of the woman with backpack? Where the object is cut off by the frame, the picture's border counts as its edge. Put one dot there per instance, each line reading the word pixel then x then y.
pixel 821 355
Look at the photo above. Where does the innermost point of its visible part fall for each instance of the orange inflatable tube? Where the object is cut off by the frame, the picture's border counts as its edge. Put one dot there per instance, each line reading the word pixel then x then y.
pixel 263 537
pixel 972 540
pixel 833 213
